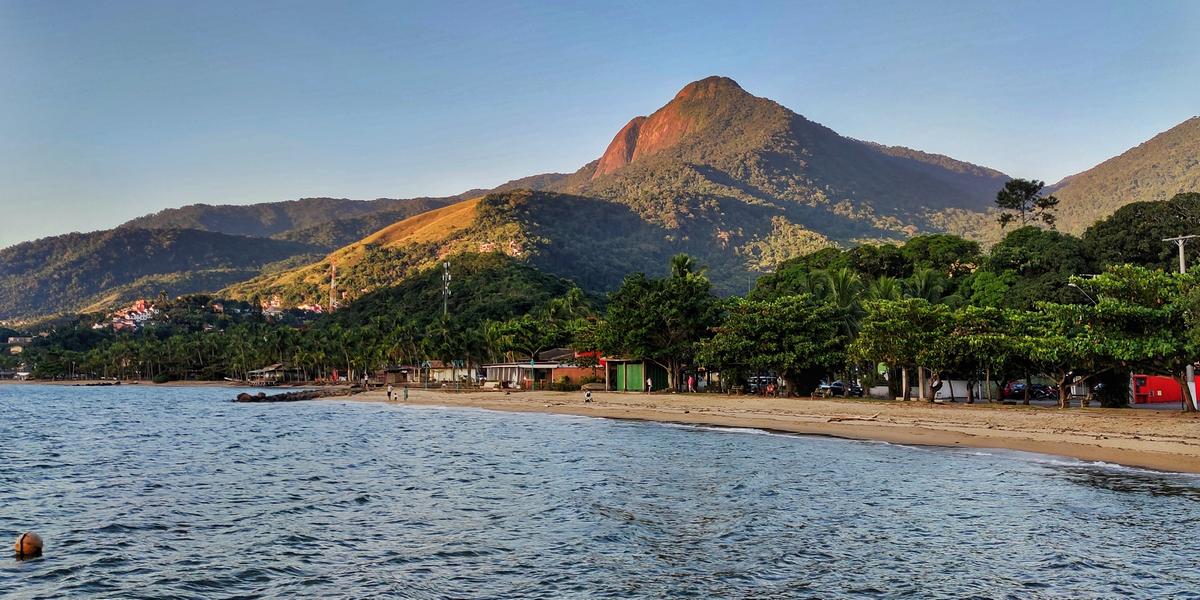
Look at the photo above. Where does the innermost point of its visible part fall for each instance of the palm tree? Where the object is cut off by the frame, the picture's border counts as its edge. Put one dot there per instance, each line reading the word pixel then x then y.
pixel 884 288
pixel 843 289
pixel 683 265
pixel 930 285
pixel 573 304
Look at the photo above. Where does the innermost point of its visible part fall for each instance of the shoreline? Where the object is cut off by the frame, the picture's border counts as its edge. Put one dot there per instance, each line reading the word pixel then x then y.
pixel 148 383
pixel 1167 442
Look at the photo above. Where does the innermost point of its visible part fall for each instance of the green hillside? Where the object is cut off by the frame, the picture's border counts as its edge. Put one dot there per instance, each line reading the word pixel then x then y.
pixel 337 233
pixel 1163 166
pixel 484 287
pixel 592 242
pixel 77 270
pixel 279 218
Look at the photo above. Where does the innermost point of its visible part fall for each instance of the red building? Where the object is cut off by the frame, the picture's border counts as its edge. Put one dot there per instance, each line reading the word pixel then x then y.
pixel 1156 389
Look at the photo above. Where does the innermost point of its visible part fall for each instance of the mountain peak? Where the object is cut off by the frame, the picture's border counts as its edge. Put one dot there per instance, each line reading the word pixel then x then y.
pixel 698 106
pixel 710 87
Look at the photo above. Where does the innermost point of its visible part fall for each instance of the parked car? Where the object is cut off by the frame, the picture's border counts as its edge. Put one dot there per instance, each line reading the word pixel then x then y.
pixel 1015 390
pixel 840 388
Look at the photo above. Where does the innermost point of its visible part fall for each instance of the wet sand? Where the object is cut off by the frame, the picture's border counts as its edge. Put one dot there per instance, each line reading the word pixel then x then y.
pixel 1162 440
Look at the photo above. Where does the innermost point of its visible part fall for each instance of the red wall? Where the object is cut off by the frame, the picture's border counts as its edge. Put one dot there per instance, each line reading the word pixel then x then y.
pixel 1156 389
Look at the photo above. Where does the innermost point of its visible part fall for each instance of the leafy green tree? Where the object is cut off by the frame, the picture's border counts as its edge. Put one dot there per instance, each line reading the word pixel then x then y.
pixel 1134 234
pixel 787 335
pixel 1023 201
pixel 1143 320
pixel 978 339
pixel 949 255
pixel 659 319
pixel 1041 265
pixel 530 334
pixel 900 333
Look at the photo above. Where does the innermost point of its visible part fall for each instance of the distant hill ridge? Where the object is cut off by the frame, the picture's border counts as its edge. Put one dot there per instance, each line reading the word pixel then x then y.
pixel 1157 169
pixel 278 218
pixel 78 270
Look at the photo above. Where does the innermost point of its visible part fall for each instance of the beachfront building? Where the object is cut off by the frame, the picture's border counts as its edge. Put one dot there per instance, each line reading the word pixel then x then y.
pixel 521 375
pixel 630 374
pixel 398 374
pixel 276 373
pixel 436 371
pixel 559 365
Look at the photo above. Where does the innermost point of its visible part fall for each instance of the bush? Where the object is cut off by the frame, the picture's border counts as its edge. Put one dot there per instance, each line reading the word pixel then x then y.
pixel 160 378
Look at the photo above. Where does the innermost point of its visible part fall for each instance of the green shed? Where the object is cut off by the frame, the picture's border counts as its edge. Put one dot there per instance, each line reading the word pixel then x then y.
pixel 629 375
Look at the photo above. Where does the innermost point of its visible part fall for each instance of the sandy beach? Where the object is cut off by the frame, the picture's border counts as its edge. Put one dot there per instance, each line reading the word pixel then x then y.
pixel 1162 440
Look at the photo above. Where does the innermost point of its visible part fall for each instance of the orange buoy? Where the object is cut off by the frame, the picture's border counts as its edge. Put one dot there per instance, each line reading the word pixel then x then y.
pixel 29 545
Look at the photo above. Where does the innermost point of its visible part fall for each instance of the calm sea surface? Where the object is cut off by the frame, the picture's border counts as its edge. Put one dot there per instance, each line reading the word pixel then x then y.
pixel 177 492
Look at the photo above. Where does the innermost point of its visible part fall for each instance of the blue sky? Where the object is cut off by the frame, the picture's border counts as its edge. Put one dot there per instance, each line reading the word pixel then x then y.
pixel 110 110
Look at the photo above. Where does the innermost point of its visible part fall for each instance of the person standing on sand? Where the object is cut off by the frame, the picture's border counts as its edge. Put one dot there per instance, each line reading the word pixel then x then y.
pixel 691 384
pixel 649 385
pixel 406 393
pixel 389 392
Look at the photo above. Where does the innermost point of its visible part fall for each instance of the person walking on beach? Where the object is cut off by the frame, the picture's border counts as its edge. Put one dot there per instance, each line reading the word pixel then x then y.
pixel 406 393
pixel 389 392
pixel 691 384
pixel 649 385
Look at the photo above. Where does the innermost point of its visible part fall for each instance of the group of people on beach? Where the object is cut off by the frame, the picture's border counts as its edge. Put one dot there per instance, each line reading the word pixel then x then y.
pixel 391 393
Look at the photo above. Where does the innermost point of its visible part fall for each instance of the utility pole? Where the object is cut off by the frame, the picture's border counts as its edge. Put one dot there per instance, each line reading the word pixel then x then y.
pixel 332 283
pixel 446 288
pixel 1181 241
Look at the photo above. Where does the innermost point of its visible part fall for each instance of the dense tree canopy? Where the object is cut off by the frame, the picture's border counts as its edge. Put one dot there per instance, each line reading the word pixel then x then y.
pixel 1135 233
pixel 660 319
pixel 787 335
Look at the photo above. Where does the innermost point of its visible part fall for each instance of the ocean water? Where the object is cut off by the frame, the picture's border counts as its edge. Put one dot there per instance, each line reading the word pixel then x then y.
pixel 147 492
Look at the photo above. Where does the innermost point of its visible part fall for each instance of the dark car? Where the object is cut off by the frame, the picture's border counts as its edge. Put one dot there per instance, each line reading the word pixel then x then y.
pixel 1015 390
pixel 840 388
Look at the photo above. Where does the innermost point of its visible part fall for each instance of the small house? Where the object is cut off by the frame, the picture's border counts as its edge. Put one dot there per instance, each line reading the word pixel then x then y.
pixel 399 374
pixel 437 371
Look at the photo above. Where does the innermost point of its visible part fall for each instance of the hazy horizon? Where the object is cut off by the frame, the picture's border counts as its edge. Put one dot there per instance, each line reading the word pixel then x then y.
pixel 115 110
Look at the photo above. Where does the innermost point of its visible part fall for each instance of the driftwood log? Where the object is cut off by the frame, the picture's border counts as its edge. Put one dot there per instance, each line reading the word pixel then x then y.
pixel 296 396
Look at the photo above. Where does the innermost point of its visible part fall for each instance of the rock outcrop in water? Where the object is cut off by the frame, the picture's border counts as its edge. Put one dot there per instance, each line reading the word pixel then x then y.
pixel 296 396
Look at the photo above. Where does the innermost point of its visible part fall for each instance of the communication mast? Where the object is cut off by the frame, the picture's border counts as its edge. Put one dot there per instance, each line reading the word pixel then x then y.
pixel 332 283
pixel 446 288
